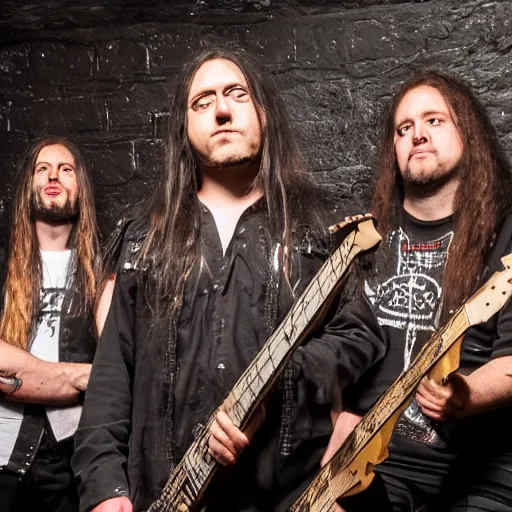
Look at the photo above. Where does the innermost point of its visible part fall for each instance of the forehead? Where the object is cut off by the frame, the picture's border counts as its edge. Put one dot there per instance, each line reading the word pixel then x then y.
pixel 55 153
pixel 215 74
pixel 419 100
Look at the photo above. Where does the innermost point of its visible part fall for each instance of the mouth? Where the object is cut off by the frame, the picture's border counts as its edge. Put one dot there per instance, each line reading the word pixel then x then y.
pixel 223 132
pixel 420 153
pixel 52 191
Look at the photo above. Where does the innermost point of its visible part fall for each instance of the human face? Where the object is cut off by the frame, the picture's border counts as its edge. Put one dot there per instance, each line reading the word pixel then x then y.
pixel 428 144
pixel 223 124
pixel 55 185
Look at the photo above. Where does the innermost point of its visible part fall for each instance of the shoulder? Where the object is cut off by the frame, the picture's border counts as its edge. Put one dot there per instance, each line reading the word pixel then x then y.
pixel 123 246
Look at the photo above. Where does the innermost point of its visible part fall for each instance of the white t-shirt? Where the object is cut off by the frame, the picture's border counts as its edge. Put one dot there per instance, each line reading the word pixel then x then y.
pixel 45 345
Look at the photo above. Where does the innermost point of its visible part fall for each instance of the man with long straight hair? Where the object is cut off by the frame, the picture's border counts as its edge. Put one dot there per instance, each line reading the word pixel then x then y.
pixel 443 199
pixel 235 232
pixel 46 337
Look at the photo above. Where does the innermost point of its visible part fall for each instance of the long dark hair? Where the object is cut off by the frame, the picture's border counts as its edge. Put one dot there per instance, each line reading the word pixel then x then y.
pixel 483 194
pixel 24 274
pixel 170 248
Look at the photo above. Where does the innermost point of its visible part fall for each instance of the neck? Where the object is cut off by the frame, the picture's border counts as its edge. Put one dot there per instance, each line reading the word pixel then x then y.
pixel 53 236
pixel 227 187
pixel 427 205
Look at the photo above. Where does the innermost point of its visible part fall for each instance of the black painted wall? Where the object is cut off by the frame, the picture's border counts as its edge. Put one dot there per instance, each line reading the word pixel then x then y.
pixel 99 71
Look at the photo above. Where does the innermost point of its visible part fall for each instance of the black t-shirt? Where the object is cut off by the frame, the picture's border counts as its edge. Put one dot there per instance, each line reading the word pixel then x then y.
pixel 407 298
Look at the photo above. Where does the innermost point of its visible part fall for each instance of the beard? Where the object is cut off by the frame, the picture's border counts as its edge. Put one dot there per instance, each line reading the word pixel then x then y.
pixel 54 213
pixel 232 161
pixel 427 182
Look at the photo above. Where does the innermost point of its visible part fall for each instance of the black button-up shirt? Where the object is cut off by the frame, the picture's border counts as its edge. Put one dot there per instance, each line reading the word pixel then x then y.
pixel 140 416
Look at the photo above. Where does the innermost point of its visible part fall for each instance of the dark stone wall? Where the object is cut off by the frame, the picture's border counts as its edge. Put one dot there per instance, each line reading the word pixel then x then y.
pixel 99 71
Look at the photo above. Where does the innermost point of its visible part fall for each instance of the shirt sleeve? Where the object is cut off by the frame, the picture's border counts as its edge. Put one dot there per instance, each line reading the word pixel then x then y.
pixel 337 356
pixel 102 438
pixel 491 339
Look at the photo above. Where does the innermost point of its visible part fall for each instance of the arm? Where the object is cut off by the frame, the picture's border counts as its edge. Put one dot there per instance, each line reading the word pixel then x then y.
pixel 41 381
pixel 487 388
pixel 488 347
pixel 102 439
pixel 344 423
pixel 350 343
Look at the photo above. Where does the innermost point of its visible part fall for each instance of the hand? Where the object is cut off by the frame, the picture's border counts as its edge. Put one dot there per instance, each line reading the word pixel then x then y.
pixel 441 402
pixel 121 504
pixel 227 442
pixel 81 373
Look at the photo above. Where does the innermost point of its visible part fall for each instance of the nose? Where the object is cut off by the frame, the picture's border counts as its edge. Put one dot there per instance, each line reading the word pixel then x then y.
pixel 222 110
pixel 420 134
pixel 54 174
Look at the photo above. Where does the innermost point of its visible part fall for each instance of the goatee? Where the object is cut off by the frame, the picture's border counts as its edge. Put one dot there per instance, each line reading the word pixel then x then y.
pixel 54 213
pixel 424 184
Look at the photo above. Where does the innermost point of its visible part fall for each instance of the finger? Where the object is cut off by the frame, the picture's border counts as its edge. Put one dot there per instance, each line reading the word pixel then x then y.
pixel 438 390
pixel 220 453
pixel 433 414
pixel 219 436
pixel 426 404
pixel 235 435
pixel 426 397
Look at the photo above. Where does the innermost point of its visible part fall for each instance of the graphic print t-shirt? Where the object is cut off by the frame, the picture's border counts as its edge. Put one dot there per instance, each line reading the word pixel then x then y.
pixel 45 344
pixel 407 298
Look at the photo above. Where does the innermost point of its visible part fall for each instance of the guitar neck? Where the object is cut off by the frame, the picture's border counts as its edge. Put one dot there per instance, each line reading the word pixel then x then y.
pixel 268 364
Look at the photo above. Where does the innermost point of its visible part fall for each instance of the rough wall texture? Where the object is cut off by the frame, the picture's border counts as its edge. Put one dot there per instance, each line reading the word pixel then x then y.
pixel 100 71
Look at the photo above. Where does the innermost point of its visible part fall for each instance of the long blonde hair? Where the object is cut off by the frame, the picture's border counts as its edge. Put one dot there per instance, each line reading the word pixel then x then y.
pixel 24 274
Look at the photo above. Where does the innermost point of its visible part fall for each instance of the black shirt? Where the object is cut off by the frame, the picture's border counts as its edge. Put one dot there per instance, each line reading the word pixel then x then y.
pixel 227 315
pixel 407 298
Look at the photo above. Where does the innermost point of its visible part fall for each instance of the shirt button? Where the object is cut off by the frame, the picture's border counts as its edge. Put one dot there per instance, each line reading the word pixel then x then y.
pixel 221 366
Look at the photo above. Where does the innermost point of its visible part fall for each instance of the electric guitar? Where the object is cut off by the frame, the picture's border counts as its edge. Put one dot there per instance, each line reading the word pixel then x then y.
pixel 350 470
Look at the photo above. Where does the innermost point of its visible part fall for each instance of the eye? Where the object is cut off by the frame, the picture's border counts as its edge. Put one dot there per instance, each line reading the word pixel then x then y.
pixel 239 94
pixel 68 169
pixel 434 121
pixel 402 130
pixel 202 103
pixel 41 169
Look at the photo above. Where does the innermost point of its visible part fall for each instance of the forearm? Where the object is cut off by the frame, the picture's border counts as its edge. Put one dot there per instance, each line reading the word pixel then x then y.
pixel 489 387
pixel 344 423
pixel 41 381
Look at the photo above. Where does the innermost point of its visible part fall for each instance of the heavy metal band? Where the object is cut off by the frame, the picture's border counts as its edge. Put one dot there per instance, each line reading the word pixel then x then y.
pixel 247 341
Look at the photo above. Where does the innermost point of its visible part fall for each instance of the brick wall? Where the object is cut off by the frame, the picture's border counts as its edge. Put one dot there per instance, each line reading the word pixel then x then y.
pixel 100 73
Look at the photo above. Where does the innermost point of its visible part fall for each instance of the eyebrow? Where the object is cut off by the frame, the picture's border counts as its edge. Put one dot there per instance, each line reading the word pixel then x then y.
pixel 423 115
pixel 60 165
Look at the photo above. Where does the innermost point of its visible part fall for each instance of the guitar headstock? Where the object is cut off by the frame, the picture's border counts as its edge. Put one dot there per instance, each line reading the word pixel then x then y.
pixel 492 296
pixel 367 236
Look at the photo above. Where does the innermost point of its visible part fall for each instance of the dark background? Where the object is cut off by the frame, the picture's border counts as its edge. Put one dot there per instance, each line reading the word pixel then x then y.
pixel 99 70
